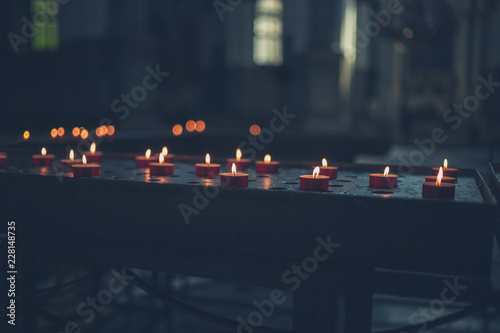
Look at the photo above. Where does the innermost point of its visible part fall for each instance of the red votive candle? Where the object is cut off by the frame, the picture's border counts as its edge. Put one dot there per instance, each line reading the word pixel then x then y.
pixel 43 158
pixel 234 179
pixel 438 189
pixel 169 158
pixel 94 156
pixel 207 169
pixel 86 170
pixel 326 170
pixel 314 181
pixel 448 172
pixel 161 168
pixel 241 163
pixel 3 159
pixel 69 162
pixel 267 166
pixel 143 161
pixel 383 180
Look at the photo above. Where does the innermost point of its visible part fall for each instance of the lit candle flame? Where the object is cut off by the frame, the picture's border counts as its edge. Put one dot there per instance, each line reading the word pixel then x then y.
pixel 164 151
pixel 84 160
pixel 233 169
pixel 316 172
pixel 386 171
pixel 238 154
pixel 324 163
pixel 26 135
pixel 148 153
pixel 445 163
pixel 267 158
pixel 44 151
pixel 161 158
pixel 207 159
pixel 439 177
pixel 72 155
pixel 92 147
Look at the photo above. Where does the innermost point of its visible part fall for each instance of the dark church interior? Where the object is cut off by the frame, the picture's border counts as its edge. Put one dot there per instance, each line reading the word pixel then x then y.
pixel 241 166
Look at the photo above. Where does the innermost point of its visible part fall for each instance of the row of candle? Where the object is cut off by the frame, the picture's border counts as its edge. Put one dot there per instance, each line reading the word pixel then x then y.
pixel 442 185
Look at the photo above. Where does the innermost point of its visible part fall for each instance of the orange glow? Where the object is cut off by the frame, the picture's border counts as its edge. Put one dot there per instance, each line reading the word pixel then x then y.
pixel 164 151
pixel 445 163
pixel 60 131
pixel 72 155
pixel 324 163
pixel 84 160
pixel 238 154
pixel 207 159
pixel 161 158
pixel 98 131
pixel 200 126
pixel 148 153
pixel 111 130
pixel 316 172
pixel 267 158
pixel 386 171
pixel 104 130
pixel 255 129
pixel 84 134
pixel 44 151
pixel 190 125
pixel 439 177
pixel 233 169
pixel 53 133
pixel 92 148
pixel 177 130
pixel 26 135
pixel 76 131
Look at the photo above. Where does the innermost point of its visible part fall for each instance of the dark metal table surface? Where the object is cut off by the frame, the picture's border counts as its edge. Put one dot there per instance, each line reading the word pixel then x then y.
pixel 391 242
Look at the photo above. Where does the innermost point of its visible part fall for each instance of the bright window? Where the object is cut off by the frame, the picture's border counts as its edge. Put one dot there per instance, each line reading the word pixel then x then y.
pixel 45 19
pixel 268 33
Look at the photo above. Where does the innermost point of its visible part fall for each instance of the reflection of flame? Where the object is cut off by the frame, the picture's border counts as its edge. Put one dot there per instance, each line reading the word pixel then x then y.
pixel 233 169
pixel 439 177
pixel 164 151
pixel 324 163
pixel 161 158
pixel 238 154
pixel 76 131
pixel 92 147
pixel 386 171
pixel 445 163
pixel 316 172
pixel 84 160
pixel 207 159
pixel 148 153
pixel 267 158
pixel 53 133
pixel 26 135
pixel 72 155
pixel 44 151
pixel 60 131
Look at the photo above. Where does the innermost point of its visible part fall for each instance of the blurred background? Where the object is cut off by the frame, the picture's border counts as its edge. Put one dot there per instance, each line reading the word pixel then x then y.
pixel 349 66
